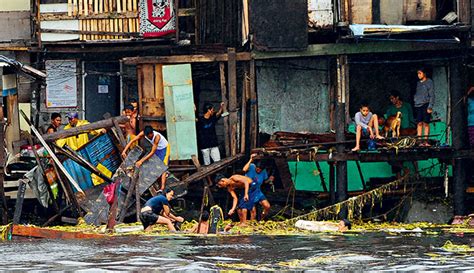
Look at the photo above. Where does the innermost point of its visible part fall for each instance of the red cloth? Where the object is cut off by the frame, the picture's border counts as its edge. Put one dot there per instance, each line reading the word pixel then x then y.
pixel 157 18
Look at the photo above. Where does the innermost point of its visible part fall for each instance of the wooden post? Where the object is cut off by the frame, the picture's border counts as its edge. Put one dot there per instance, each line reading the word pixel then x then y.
pixel 3 200
pixel 176 10
pixel 137 199
pixel 120 134
pixel 243 117
pixel 131 190
pixel 253 107
pixel 362 180
pixel 224 96
pixel 459 133
pixel 341 166
pixel 332 183
pixel 232 79
pixel 321 176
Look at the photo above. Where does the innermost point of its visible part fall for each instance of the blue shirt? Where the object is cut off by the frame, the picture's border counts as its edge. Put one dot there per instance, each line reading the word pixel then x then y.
pixel 259 178
pixel 470 111
pixel 156 203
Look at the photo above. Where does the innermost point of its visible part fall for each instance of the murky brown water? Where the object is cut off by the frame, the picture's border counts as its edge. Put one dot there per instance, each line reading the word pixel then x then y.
pixel 372 251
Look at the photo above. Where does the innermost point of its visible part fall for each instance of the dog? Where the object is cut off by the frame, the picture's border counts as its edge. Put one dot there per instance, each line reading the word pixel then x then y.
pixel 393 124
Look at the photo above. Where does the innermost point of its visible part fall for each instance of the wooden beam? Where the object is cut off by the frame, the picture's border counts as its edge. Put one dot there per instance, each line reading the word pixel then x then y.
pixel 357 48
pixel 243 107
pixel 87 32
pixel 177 59
pixel 106 123
pixel 19 201
pixel 232 83
pixel 383 156
pixel 3 200
pixel 210 169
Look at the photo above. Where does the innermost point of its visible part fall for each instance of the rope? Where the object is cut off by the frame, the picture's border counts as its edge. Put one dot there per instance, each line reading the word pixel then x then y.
pixel 404 143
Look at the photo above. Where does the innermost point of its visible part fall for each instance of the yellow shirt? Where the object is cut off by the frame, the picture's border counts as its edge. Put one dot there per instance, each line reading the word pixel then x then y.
pixel 75 142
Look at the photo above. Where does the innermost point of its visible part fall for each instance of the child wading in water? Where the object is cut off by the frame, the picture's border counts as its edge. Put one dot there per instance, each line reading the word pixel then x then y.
pixel 366 123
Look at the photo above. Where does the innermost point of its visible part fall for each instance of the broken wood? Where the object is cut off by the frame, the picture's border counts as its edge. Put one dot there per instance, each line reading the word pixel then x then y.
pixel 253 107
pixel 131 190
pixel 361 175
pixel 111 221
pixel 211 169
pixel 51 153
pixel 106 123
pixel 19 201
pixel 321 176
pixel 122 140
pixel 137 200
pixel 3 205
pixel 37 232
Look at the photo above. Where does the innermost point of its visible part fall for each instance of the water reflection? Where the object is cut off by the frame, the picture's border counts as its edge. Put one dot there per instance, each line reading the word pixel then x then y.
pixel 374 251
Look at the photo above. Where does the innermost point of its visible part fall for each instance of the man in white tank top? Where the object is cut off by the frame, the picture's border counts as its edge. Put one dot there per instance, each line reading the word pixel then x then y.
pixel 160 146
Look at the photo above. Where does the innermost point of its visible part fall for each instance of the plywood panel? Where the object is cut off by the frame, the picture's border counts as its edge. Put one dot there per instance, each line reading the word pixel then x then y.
pixel 15 26
pixel 63 25
pixel 361 11
pixel 420 10
pixel 391 12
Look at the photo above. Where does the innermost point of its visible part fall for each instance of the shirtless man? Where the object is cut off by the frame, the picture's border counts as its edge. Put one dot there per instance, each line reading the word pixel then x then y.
pixel 237 182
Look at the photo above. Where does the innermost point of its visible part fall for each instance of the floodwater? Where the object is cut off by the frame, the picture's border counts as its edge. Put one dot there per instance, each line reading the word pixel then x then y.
pixel 358 252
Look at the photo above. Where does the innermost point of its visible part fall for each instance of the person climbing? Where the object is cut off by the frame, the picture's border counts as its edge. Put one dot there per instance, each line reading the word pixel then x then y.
pixel 259 176
pixel 157 211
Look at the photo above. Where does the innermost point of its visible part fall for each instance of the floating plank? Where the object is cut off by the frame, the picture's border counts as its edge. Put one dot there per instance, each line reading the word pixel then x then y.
pixel 37 232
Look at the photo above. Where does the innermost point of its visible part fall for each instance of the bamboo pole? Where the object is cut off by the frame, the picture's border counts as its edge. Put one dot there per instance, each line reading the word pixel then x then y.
pixel 96 6
pixel 69 7
pixel 101 6
pixel 129 5
pixel 119 6
pixel 106 6
pixel 86 7
pixel 135 6
pixel 116 27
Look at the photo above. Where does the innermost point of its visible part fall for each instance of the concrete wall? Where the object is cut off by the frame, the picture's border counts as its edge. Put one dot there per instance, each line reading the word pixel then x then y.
pixel 15 25
pixel 293 95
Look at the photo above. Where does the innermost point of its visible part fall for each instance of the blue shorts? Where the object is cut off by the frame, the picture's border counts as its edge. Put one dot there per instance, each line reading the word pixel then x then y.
pixel 163 154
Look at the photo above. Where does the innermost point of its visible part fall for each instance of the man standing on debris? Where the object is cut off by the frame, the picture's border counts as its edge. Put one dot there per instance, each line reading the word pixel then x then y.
pixel 75 142
pixel 424 102
pixel 254 171
pixel 55 123
pixel 160 147
pixel 207 137
pixel 157 211
pixel 244 204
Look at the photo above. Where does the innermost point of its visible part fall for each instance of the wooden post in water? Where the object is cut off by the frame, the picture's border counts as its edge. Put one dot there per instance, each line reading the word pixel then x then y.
pixel 232 80
pixel 340 123
pixel 459 133
pixel 3 165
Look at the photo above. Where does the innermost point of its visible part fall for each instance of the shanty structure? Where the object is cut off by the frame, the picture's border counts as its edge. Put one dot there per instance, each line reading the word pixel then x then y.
pixel 291 74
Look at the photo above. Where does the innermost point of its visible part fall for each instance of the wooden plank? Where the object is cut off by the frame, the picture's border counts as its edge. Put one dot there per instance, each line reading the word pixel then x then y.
pixel 106 123
pixel 86 7
pixel 178 59
pixel 106 6
pixel 81 5
pixel 148 81
pixel 134 5
pixel 185 12
pixel 96 6
pixel 137 200
pixel 176 6
pixel 19 202
pixel 118 6
pixel 224 99
pixel 211 169
pixel 131 190
pixel 120 134
pixel 101 6
pixel 47 233
pixel 129 5
pixel 232 82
